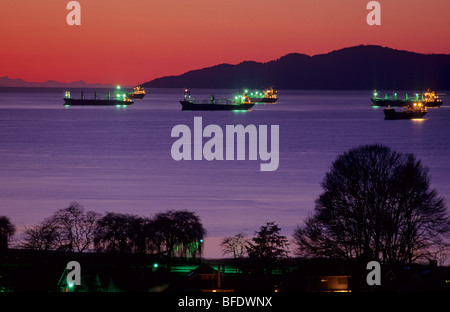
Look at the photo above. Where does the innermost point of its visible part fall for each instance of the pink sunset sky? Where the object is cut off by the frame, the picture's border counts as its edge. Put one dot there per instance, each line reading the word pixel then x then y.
pixel 131 42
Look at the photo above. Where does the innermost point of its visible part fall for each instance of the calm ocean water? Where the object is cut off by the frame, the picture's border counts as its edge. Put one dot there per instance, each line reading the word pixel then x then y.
pixel 119 160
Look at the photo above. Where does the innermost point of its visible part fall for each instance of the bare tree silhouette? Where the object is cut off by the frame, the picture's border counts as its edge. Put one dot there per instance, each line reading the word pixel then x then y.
pixel 43 236
pixel 74 227
pixel 377 204
pixel 234 245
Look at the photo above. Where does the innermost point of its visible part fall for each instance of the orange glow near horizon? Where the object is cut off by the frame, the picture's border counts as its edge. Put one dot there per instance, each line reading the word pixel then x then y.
pixel 130 42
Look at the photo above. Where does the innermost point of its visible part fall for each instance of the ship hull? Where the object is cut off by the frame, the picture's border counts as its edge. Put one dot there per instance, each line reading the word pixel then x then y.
pixel 433 104
pixel 263 100
pixel 390 102
pixel 402 103
pixel 96 102
pixel 391 114
pixel 136 96
pixel 190 106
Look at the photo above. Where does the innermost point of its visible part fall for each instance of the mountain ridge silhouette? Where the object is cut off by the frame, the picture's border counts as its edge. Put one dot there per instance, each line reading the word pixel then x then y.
pixel 362 67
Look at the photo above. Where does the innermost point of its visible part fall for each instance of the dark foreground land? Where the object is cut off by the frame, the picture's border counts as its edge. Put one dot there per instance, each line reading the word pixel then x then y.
pixel 45 271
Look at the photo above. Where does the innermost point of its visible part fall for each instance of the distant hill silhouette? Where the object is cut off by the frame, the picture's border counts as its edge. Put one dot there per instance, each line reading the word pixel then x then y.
pixel 20 83
pixel 363 67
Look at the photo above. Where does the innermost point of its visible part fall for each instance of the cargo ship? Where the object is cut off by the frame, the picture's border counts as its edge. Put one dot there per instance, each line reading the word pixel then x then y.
pixel 213 104
pixel 138 93
pixel 429 99
pixel 117 99
pixel 414 111
pixel 267 96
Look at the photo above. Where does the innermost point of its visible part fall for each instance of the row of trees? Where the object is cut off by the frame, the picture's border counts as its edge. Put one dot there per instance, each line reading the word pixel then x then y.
pixel 376 204
pixel 171 233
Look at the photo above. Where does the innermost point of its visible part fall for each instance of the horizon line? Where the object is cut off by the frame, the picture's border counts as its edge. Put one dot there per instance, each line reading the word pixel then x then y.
pixel 210 66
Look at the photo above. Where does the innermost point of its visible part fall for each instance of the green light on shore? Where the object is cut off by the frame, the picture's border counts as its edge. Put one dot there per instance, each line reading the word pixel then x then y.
pixel 155 265
pixel 118 87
